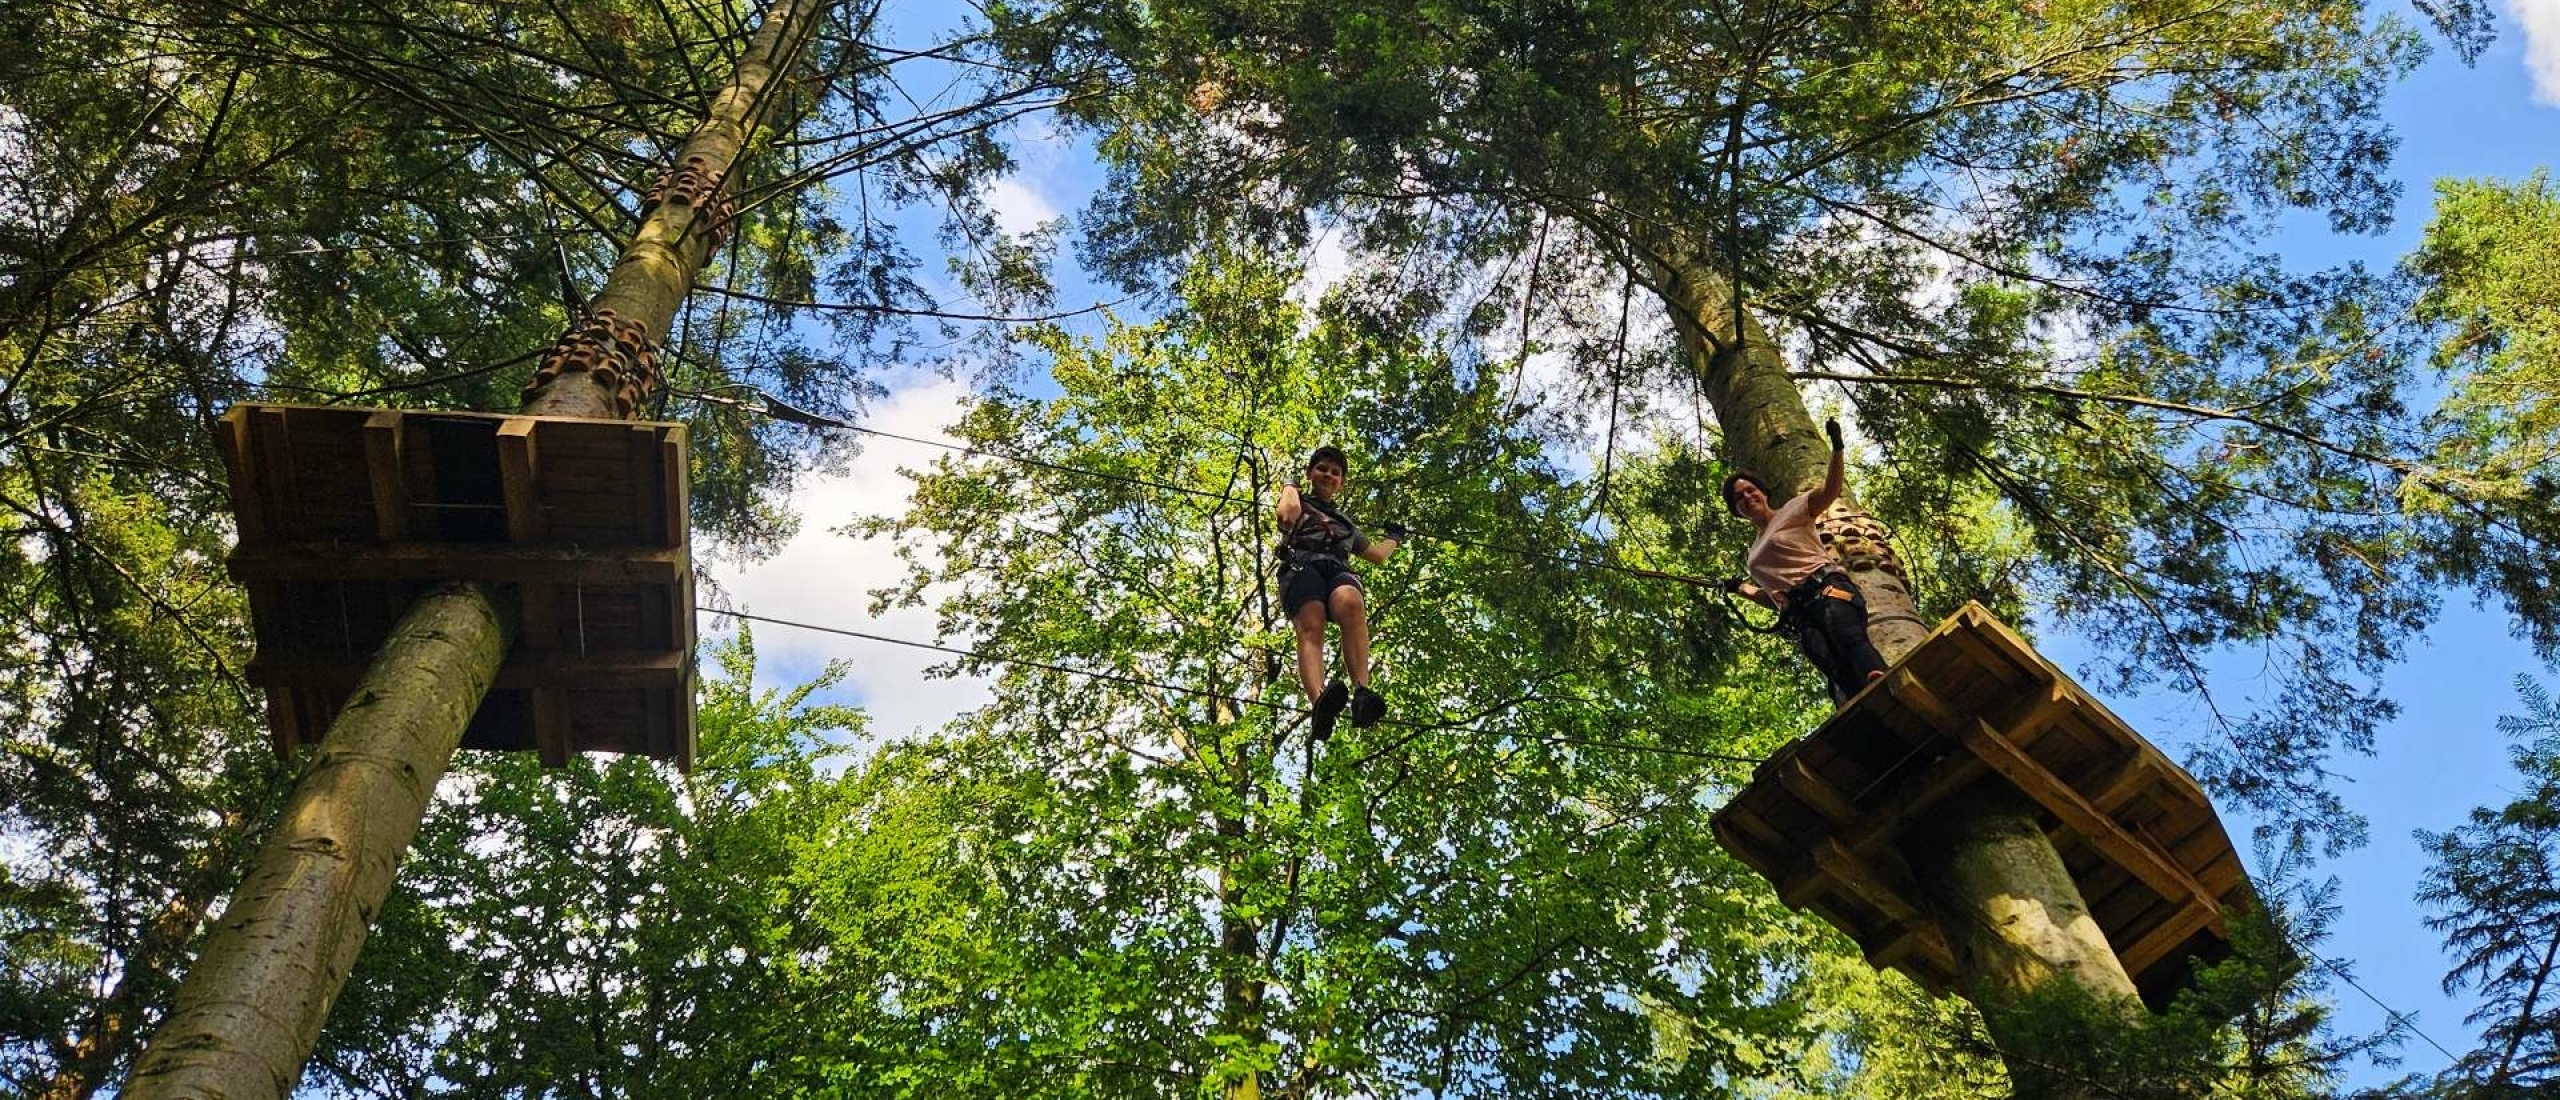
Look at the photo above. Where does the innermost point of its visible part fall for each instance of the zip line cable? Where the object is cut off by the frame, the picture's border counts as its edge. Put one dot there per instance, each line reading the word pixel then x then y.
pixel 774 408
pixel 1266 704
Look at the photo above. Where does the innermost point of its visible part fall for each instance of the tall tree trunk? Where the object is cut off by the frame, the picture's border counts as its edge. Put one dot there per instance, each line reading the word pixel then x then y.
pixel 250 1010
pixel 1240 987
pixel 2003 899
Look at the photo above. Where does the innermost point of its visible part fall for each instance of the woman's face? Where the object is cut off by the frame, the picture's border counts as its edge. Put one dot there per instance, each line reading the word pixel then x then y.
pixel 1325 478
pixel 1750 503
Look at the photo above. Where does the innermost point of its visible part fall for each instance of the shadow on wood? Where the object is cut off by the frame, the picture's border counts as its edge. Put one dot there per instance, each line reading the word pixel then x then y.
pixel 345 514
pixel 1974 704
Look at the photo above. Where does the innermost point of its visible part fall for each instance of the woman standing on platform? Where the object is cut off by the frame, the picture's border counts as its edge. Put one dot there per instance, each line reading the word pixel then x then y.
pixel 1790 571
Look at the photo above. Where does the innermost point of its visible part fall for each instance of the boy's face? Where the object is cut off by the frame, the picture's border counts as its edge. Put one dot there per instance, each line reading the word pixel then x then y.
pixel 1325 478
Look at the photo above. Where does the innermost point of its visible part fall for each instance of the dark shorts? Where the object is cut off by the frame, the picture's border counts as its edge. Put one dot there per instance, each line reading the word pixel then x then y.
pixel 1316 583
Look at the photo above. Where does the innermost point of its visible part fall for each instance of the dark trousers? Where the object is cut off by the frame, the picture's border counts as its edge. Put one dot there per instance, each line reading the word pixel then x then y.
pixel 1828 616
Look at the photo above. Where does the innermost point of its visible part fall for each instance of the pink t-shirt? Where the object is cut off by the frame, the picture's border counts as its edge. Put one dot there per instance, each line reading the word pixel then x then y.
pixel 1787 551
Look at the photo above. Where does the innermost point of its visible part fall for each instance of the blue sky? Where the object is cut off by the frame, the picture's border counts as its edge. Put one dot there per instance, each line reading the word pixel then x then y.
pixel 2441 757
pixel 2444 754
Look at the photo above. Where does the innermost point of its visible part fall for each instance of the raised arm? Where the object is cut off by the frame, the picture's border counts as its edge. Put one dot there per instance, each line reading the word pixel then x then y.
pixel 1834 480
pixel 1289 508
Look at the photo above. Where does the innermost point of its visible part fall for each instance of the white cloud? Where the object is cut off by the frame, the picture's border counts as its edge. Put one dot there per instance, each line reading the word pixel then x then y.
pixel 1018 207
pixel 2541 22
pixel 1327 261
pixel 825 578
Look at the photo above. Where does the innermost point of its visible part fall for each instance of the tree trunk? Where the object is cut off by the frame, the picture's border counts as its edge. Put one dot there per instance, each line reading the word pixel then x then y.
pixel 1240 989
pixel 2004 901
pixel 250 1010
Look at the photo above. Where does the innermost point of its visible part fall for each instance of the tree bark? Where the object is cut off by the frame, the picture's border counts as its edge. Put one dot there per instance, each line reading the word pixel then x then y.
pixel 2003 900
pixel 250 1010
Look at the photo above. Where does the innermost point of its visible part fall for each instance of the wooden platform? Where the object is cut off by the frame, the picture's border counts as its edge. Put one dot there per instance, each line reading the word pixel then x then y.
pixel 1975 704
pixel 345 514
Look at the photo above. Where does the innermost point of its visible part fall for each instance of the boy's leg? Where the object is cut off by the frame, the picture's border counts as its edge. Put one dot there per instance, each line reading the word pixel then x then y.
pixel 1351 609
pixel 1308 622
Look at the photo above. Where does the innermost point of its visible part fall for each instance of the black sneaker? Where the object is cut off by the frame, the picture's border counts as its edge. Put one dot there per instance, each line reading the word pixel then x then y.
pixel 1329 707
pixel 1366 708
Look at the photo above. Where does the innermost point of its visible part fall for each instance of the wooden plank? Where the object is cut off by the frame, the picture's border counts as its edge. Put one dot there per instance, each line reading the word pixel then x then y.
pixel 2168 935
pixel 680 712
pixel 2101 831
pixel 1920 952
pixel 1816 792
pixel 2120 786
pixel 1914 797
pixel 521 672
pixel 1866 882
pixel 271 454
pixel 645 500
pixel 551 726
pixel 248 513
pixel 283 725
pixel 1754 840
pixel 1907 690
pixel 516 461
pixel 337 561
pixel 384 468
pixel 677 499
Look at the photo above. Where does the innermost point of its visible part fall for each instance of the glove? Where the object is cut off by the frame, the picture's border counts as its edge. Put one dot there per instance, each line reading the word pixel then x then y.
pixel 1831 428
pixel 1732 585
pixel 1396 531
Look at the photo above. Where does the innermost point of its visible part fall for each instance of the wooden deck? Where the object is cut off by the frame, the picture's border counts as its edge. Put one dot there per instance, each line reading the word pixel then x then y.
pixel 1975 704
pixel 345 514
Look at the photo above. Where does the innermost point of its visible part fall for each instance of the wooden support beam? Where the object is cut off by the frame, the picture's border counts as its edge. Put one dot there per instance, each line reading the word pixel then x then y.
pixel 497 562
pixel 1858 877
pixel 388 474
pixel 1919 951
pixel 516 459
pixel 271 456
pixel 1887 820
pixel 1887 893
pixel 1906 689
pixel 284 719
pixel 679 487
pixel 2049 707
pixel 232 439
pixel 2126 781
pixel 1816 792
pixel 2167 935
pixel 551 726
pixel 2111 839
pixel 521 672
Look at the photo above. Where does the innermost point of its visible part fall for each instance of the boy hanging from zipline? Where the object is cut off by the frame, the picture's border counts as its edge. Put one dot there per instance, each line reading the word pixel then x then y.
pixel 1791 571
pixel 1317 585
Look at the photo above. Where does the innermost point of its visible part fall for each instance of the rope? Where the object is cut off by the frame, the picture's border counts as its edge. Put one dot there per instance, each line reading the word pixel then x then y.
pixel 1283 709
pixel 770 406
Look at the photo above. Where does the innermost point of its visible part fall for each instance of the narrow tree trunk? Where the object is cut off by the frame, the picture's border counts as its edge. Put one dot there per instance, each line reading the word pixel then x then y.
pixel 108 1036
pixel 1240 989
pixel 250 1010
pixel 2004 901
